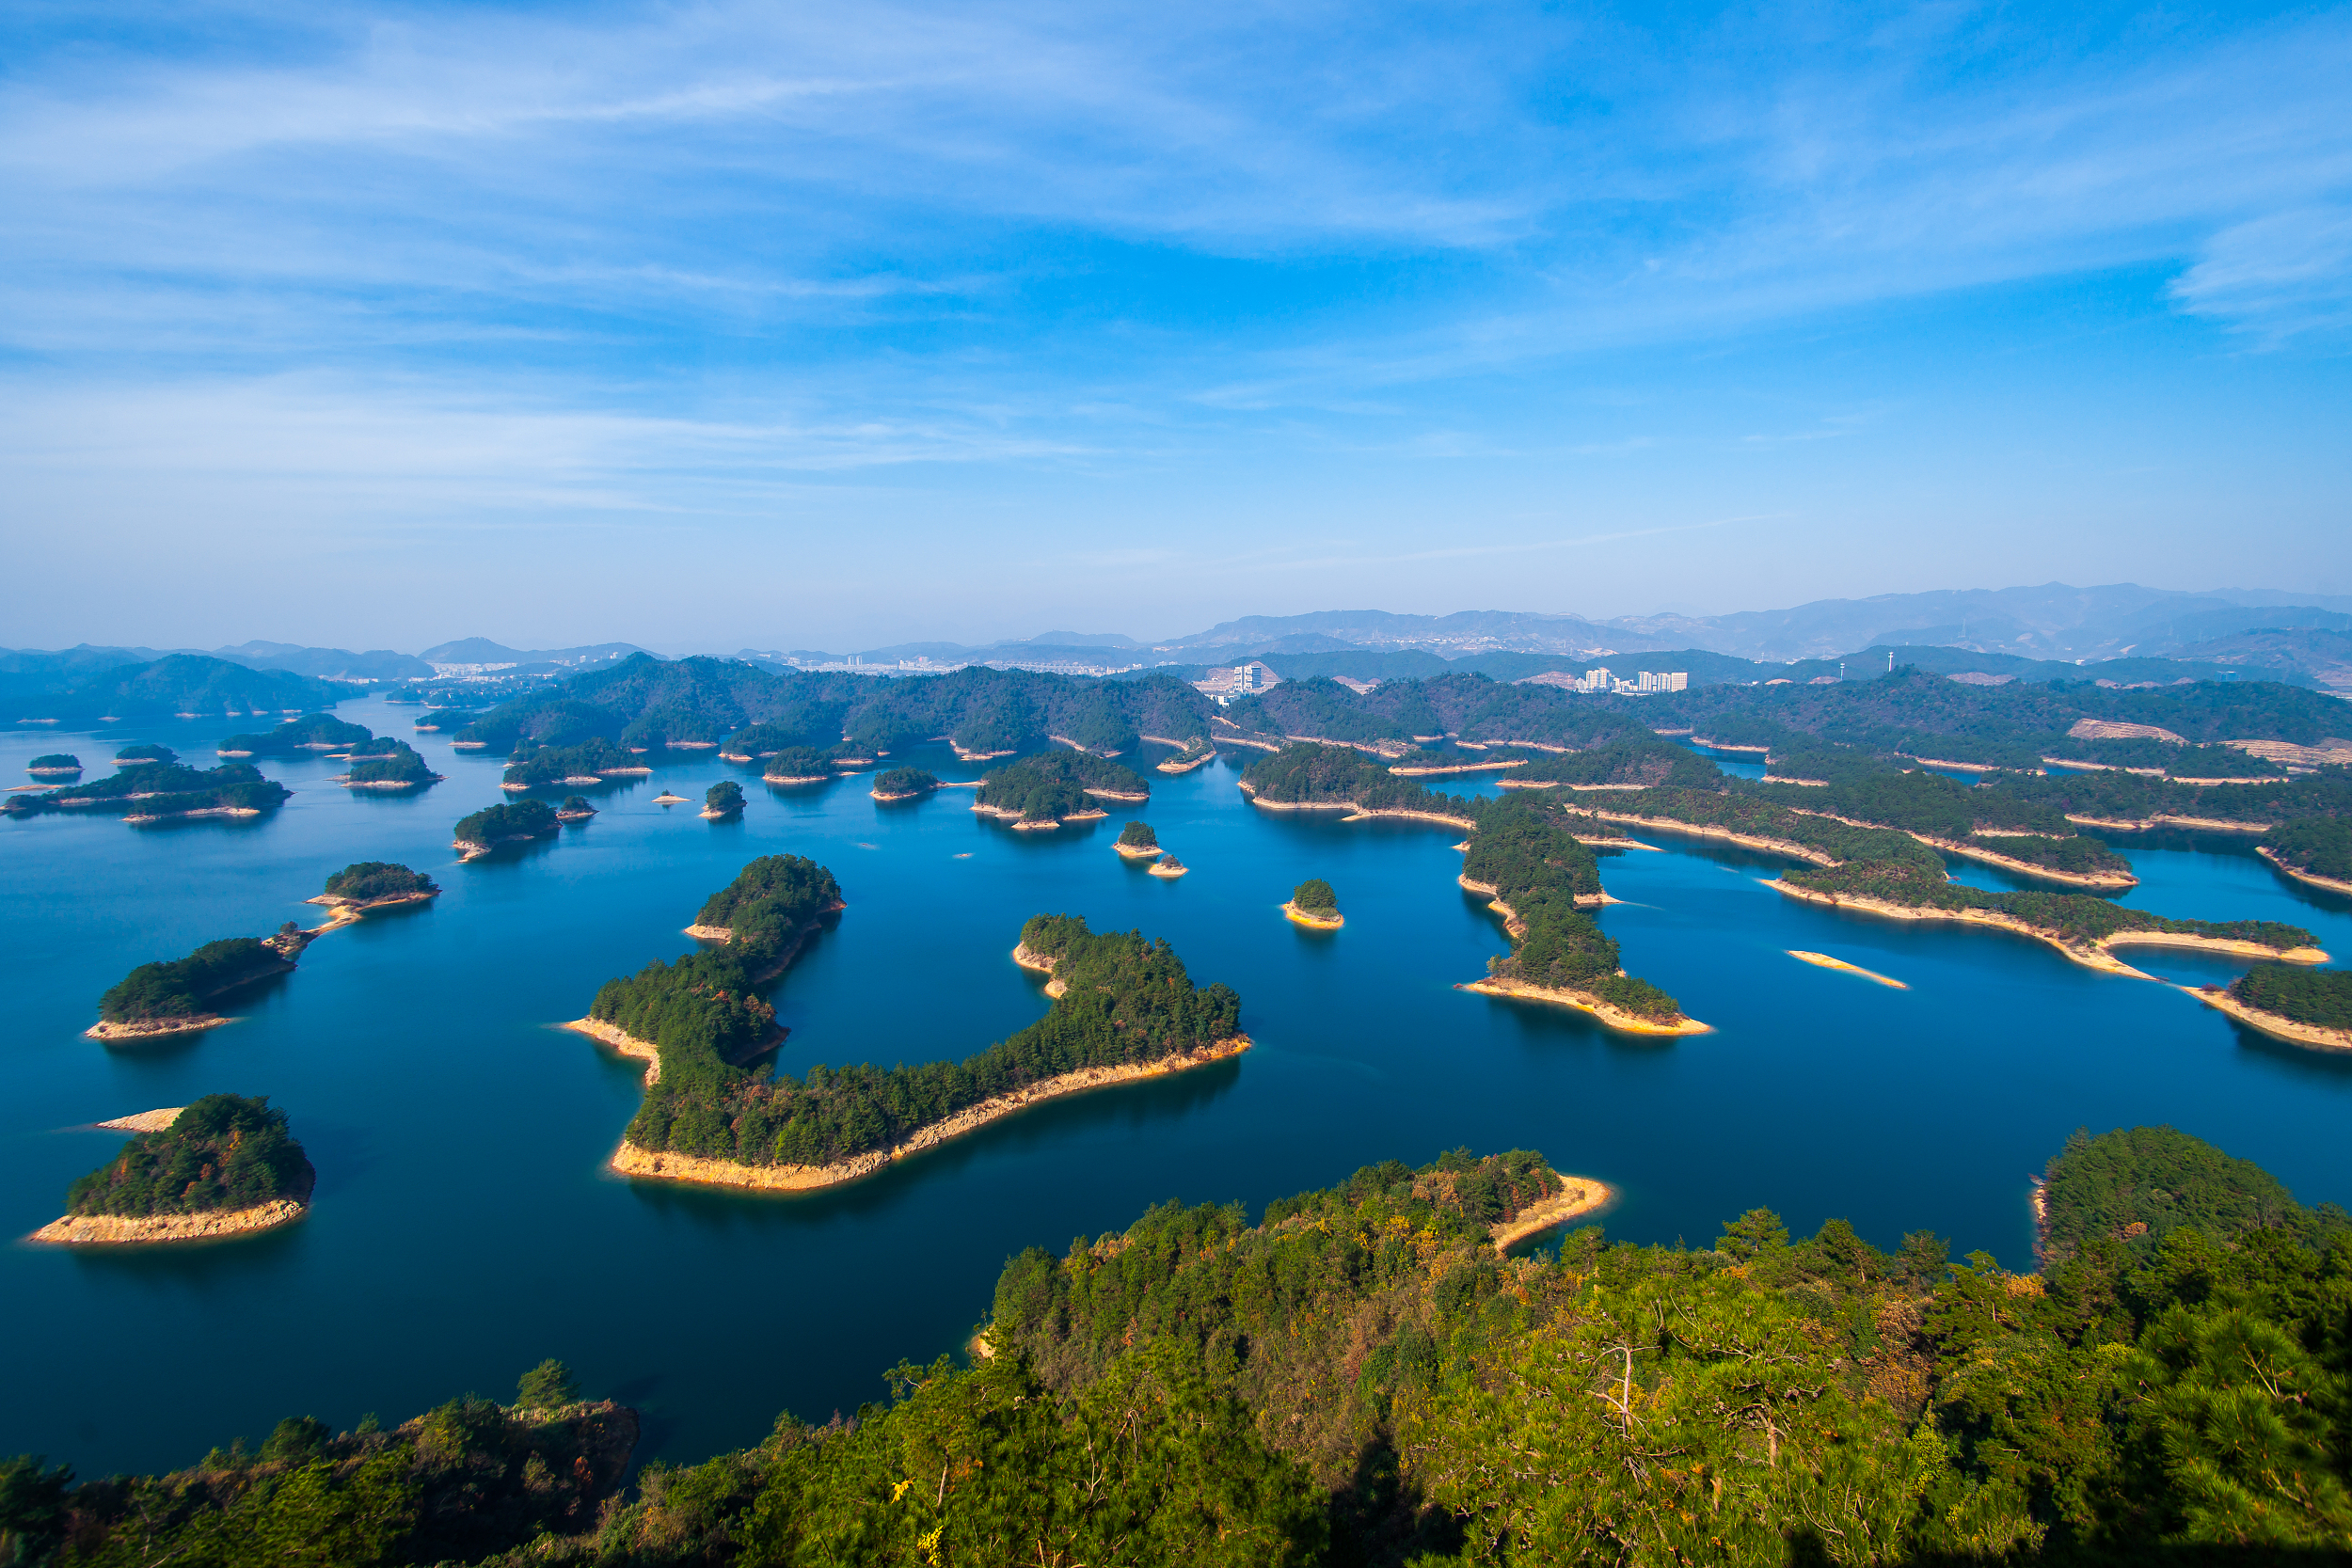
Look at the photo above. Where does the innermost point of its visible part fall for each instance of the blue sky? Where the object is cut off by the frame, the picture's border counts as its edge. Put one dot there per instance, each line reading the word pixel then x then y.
pixel 715 324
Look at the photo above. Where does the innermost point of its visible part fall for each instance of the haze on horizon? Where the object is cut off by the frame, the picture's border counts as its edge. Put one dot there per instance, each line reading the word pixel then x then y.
pixel 373 325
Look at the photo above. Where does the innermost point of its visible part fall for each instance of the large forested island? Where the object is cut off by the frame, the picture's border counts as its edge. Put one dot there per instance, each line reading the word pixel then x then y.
pixel 1360 1377
pixel 386 762
pixel 1124 1008
pixel 1053 787
pixel 486 830
pixel 312 731
pixel 152 791
pixel 225 1166
pixel 167 997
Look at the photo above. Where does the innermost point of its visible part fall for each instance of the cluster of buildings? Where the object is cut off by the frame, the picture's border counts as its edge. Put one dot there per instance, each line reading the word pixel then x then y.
pixel 1242 680
pixel 1598 678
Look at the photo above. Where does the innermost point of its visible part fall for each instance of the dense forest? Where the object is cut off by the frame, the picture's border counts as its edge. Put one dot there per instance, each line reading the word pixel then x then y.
pixel 54 762
pixel 900 781
pixel 1314 896
pixel 177 987
pixel 1139 834
pixel 164 789
pixel 1359 1379
pixel 148 752
pixel 493 825
pixel 312 732
pixel 1128 1001
pixel 548 765
pixel 392 762
pixel 2319 845
pixel 1633 759
pixel 363 880
pixel 724 798
pixel 2322 997
pixel 798 761
pixel 223 1152
pixel 1054 784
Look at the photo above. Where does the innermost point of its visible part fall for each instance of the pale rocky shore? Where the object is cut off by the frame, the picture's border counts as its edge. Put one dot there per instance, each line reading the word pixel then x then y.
pixel 1581 1196
pixel 214 1225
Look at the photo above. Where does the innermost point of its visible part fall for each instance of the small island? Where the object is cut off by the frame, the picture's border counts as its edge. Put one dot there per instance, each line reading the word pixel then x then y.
pixel 225 1166
pixel 312 731
pixel 53 764
pixel 132 755
pixel 155 791
pixel 366 885
pixel 575 809
pixel 486 830
pixel 1045 791
pixel 798 765
pixel 2303 1007
pixel 1168 865
pixel 722 800
pixel 1315 906
pixel 1138 842
pixel 586 764
pixel 167 997
pixel 903 783
pixel 388 764
pixel 666 798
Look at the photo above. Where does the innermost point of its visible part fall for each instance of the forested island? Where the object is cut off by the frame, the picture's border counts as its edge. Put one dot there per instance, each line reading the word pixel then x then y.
pixel 575 809
pixel 312 731
pixel 486 830
pixel 154 791
pixel 724 798
pixel 226 1164
pixel 388 764
pixel 798 765
pixel 53 763
pixel 1359 1377
pixel 1313 904
pixel 167 997
pixel 366 885
pixel 1138 842
pixel 903 783
pixel 1053 787
pixel 130 756
pixel 1125 1008
pixel 591 762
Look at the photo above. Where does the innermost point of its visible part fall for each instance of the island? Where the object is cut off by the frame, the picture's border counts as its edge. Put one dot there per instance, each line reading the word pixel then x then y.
pixel 798 765
pixel 132 756
pixel 2300 1005
pixel 388 764
pixel 1138 842
pixel 666 798
pixel 155 791
pixel 1822 960
pixel 366 885
pixel 575 809
pixel 724 798
pixel 225 1166
pixel 588 763
pixel 1055 787
pixel 1125 1010
pixel 167 997
pixel 52 764
pixel 447 718
pixel 903 783
pixel 1169 866
pixel 486 830
pixel 1315 906
pixel 312 731
pixel 768 736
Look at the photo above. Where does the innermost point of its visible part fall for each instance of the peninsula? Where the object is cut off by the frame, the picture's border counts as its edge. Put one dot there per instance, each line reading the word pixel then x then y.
pixel 1124 1009
pixel 1315 906
pixel 2302 1007
pixel 486 830
pixel 224 1165
pixel 167 997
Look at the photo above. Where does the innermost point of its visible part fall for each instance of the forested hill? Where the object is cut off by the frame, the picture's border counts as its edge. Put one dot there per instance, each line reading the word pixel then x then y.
pixel 175 683
pixel 644 701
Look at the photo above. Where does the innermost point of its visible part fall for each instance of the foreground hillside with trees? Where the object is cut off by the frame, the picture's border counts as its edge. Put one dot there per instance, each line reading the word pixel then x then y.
pixel 1359 1378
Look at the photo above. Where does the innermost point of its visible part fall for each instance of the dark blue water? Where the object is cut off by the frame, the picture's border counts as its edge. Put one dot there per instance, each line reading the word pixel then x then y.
pixel 462 1227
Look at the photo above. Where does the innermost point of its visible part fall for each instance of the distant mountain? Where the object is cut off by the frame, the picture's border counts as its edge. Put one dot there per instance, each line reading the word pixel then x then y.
pixel 377 664
pixel 1073 640
pixel 175 684
pixel 1466 631
pixel 480 650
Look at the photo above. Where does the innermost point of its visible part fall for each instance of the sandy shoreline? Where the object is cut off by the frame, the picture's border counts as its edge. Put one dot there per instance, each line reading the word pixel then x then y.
pixel 1694 830
pixel 2113 881
pixel 2272 1025
pixel 1822 960
pixel 1314 920
pixel 1166 865
pixel 124 1230
pixel 1612 1016
pixel 2332 884
pixel 629 1160
pixel 142 1121
pixel 1139 851
pixel 2165 819
pixel 1581 1195
pixel 186 1023
pixel 1461 768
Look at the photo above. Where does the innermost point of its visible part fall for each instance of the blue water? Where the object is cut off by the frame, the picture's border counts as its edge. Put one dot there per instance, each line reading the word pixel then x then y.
pixel 462 1227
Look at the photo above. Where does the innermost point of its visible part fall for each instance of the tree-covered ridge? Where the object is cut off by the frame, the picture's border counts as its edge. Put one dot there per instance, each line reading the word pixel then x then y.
pixel 1466 706
pixel 2075 856
pixel 2135 1186
pixel 771 902
pixel 177 987
pixel 492 824
pixel 811 726
pixel 164 789
pixel 1921 801
pixel 546 764
pixel 673 725
pixel 2321 846
pixel 724 797
pixel 464 1483
pixel 1639 759
pixel 798 761
pixel 223 1152
pixel 1524 850
pixel 392 762
pixel 312 732
pixel 182 683
pixel 2321 997
pixel 1314 895
pixel 1128 1002
pixel 1054 784
pixel 2169 758
pixel 364 880
pixel 1305 773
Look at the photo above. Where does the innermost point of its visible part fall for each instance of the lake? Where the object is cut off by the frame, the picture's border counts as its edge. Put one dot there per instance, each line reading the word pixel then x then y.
pixel 464 1227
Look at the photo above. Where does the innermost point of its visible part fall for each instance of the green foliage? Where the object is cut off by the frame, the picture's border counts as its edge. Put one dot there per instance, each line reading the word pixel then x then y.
pixel 175 987
pixel 724 796
pixel 223 1152
pixel 494 824
pixel 1307 773
pixel 2316 996
pixel 1137 835
pixel 905 781
pixel 57 761
pixel 672 724
pixel 32 1509
pixel 771 901
pixel 1314 894
pixel 312 732
pixel 547 1386
pixel 799 762
pixel 2319 845
pixel 1633 760
pixel 804 726
pixel 366 880
pixel 2076 856
pixel 1054 784
pixel 164 789
pixel 1524 850
pixel 573 804
pixel 2136 1185
pixel 396 763
pixel 546 764
pixel 128 754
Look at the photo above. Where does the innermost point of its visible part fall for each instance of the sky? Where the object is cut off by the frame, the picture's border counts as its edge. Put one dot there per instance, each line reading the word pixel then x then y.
pixel 824 325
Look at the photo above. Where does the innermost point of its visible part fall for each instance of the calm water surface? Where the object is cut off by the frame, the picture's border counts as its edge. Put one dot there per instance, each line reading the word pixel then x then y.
pixel 463 1228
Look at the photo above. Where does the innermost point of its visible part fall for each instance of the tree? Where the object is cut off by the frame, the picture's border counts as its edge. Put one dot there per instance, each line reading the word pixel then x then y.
pixel 547 1387
pixel 1316 895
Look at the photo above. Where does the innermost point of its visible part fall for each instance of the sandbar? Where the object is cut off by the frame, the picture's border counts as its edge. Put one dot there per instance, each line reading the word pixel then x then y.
pixel 1579 1195
pixel 795 778
pixel 1826 961
pixel 1167 865
pixel 1317 920
pixel 2167 819
pixel 712 813
pixel 666 798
